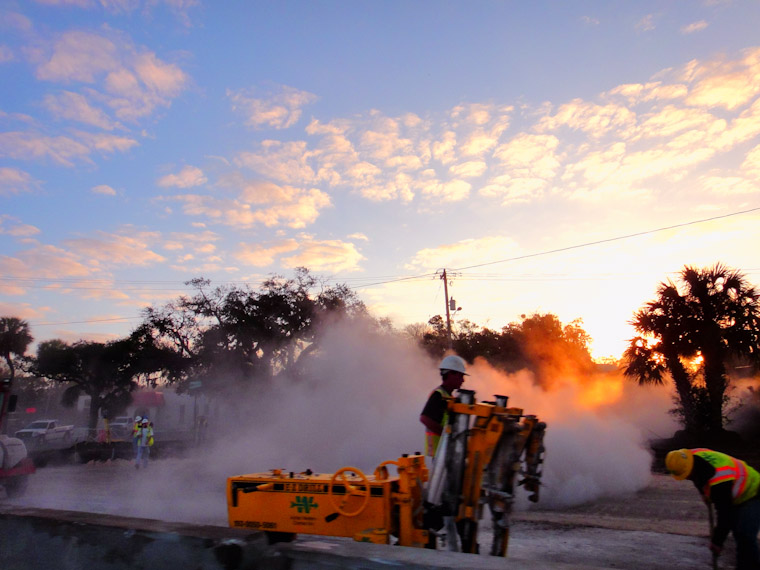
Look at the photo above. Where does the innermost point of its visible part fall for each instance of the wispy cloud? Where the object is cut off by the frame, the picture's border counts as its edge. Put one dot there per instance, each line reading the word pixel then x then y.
pixel 257 203
pixel 103 189
pixel 6 54
pixel 646 24
pixel 13 181
pixel 127 248
pixel 463 253
pixel 584 148
pixel 180 8
pixel 76 107
pixel 305 251
pixel 188 177
pixel 694 27
pixel 128 81
pixel 279 109
pixel 12 227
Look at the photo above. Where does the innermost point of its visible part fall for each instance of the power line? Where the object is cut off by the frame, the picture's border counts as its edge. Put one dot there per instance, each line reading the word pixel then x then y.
pixel 608 240
pixel 384 281
pixel 397 280
pixel 115 319
pixel 388 279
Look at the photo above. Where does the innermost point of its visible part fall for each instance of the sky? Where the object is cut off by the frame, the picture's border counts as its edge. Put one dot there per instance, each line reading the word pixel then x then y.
pixel 561 157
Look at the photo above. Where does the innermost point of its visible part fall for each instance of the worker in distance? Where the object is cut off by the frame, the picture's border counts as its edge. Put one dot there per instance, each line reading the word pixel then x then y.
pixel 434 415
pixel 732 487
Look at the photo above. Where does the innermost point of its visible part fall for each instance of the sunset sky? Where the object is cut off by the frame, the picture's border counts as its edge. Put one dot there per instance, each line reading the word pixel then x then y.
pixel 560 157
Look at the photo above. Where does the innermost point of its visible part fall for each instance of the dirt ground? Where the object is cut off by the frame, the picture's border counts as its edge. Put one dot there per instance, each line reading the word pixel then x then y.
pixel 664 526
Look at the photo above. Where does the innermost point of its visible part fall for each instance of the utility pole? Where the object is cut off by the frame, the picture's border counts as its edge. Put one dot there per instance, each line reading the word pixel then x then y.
pixel 448 314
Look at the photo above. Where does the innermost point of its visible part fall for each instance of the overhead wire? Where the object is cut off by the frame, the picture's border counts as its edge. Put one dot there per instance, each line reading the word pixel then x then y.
pixel 609 240
pixel 389 279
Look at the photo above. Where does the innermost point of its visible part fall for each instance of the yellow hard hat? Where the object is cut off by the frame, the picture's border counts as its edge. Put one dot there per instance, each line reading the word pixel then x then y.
pixel 680 463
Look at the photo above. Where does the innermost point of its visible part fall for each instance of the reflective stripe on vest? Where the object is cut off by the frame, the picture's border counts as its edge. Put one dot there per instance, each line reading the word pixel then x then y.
pixel 433 439
pixel 745 479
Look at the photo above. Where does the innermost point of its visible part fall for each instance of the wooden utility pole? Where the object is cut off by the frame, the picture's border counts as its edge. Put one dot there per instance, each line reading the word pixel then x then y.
pixel 448 314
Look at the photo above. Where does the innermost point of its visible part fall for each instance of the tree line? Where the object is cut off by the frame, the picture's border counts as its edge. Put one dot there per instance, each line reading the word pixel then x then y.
pixel 693 334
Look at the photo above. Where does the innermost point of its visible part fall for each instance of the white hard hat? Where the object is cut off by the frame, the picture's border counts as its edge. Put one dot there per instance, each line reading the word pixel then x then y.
pixel 138 418
pixel 453 363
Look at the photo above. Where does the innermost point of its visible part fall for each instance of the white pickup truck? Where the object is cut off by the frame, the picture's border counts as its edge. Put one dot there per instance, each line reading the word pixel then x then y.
pixel 45 432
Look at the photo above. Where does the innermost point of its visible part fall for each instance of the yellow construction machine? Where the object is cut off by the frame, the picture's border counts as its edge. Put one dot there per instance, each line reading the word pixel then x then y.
pixel 486 451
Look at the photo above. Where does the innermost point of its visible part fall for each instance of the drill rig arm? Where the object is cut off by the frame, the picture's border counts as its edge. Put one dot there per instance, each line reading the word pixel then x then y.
pixel 488 447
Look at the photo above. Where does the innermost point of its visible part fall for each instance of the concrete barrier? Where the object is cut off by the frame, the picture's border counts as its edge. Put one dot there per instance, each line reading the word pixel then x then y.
pixel 68 540
pixel 44 539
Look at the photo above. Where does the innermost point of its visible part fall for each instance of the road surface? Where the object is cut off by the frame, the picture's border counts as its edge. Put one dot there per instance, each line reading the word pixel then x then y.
pixel 664 526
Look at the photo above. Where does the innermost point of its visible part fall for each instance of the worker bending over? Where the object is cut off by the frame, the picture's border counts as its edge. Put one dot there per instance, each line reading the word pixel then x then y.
pixel 434 415
pixel 732 486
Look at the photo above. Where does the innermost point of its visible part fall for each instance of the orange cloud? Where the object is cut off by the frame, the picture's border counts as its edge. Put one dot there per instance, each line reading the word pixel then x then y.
pixel 128 81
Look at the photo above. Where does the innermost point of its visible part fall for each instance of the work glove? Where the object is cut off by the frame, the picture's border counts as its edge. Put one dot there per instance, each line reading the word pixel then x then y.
pixel 715 549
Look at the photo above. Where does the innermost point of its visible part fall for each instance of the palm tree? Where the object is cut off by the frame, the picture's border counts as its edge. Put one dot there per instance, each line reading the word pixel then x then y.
pixel 15 338
pixel 690 331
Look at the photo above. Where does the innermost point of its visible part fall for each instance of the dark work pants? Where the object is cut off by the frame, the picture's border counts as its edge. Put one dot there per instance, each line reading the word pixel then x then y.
pixel 745 529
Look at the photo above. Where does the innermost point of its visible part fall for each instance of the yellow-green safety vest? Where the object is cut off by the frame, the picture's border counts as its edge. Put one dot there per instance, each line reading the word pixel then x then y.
pixel 433 439
pixel 746 480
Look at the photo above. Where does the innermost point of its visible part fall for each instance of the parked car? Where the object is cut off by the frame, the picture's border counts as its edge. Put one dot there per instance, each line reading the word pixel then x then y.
pixel 45 432
pixel 121 427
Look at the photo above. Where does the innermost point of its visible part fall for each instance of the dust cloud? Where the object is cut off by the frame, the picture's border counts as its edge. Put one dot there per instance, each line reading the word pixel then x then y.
pixel 358 405
pixel 365 392
pixel 598 427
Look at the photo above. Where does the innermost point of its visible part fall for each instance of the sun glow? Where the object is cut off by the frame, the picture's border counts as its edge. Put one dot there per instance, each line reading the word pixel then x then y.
pixel 600 391
pixel 695 363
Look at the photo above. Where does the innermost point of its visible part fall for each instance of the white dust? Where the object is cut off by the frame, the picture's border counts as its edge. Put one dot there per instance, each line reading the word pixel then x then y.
pixel 360 406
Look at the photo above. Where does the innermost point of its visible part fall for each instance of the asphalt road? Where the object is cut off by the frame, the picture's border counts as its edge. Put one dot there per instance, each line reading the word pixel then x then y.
pixel 664 526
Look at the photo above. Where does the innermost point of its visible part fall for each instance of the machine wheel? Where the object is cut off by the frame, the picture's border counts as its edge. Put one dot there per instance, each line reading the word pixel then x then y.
pixel 16 486
pixel 340 477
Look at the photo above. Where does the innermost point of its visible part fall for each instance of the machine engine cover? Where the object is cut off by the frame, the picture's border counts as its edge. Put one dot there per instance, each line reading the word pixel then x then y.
pixel 307 503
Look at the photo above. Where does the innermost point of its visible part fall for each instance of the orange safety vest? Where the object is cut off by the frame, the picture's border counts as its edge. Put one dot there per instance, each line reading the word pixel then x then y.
pixel 433 439
pixel 746 481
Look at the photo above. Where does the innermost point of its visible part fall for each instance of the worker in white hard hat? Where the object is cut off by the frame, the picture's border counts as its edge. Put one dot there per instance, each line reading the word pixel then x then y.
pixel 144 443
pixel 434 415
pixel 733 487
pixel 135 431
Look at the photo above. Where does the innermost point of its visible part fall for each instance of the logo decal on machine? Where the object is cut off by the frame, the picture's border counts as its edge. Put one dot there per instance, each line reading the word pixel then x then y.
pixel 304 504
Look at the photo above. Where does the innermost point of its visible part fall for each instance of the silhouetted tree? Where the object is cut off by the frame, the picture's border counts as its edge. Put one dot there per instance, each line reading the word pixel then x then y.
pixel 15 338
pixel 540 343
pixel 691 331
pixel 104 372
pixel 552 349
pixel 235 333
pixel 435 338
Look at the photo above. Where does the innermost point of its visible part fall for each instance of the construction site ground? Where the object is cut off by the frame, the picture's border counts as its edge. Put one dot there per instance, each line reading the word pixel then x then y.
pixel 664 526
